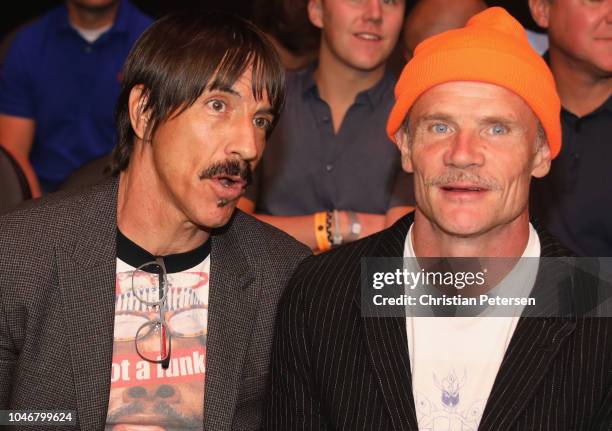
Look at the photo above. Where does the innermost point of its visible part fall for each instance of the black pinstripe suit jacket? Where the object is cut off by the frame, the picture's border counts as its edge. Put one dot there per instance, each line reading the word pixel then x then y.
pixel 334 370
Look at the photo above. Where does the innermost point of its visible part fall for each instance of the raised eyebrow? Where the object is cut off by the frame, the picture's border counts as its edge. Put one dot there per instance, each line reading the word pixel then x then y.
pixel 225 89
pixel 265 111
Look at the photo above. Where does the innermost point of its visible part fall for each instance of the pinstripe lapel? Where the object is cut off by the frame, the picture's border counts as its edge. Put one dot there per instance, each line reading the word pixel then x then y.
pixel 232 307
pixel 534 345
pixel 387 343
pixel 86 267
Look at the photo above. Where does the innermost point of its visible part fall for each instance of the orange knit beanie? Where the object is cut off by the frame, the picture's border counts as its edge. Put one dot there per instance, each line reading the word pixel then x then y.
pixel 492 48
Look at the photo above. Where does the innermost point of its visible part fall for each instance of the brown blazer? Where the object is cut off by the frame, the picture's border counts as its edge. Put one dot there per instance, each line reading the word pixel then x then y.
pixel 57 278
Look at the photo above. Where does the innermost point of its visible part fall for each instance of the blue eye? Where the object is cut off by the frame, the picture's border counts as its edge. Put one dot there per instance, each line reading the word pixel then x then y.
pixel 499 129
pixel 440 128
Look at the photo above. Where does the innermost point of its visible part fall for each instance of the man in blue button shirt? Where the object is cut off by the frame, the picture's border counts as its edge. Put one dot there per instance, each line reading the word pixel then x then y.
pixel 59 83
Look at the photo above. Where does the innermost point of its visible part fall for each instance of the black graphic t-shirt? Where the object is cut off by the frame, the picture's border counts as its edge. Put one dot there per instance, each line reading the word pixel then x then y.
pixel 144 394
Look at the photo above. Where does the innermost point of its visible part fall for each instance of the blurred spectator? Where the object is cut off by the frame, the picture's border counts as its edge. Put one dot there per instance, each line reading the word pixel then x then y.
pixel 286 25
pixel 329 173
pixel 59 83
pixel 429 17
pixel 575 199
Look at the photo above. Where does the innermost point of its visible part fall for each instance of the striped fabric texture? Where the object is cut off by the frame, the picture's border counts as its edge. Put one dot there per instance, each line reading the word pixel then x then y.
pixel 335 370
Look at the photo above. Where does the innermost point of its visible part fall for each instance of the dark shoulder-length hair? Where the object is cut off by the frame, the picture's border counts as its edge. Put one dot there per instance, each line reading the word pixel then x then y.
pixel 185 53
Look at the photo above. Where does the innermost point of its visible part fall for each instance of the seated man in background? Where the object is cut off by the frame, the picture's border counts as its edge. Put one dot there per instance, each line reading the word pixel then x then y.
pixel 329 174
pixel 126 302
pixel 476 116
pixel 575 200
pixel 59 83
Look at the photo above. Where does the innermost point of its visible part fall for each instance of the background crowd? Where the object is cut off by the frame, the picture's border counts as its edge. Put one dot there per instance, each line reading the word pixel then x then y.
pixel 328 161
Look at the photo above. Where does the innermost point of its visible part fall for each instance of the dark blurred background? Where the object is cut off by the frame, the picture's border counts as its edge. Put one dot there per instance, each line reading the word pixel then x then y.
pixel 19 12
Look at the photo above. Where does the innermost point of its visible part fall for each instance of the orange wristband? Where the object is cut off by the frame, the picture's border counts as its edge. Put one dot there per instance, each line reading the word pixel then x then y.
pixel 320 221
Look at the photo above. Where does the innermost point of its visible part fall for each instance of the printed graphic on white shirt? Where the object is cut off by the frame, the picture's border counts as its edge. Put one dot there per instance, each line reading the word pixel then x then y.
pixel 143 394
pixel 448 411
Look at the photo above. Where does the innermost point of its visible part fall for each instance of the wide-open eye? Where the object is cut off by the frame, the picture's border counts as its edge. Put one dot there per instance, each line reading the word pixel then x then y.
pixel 262 123
pixel 440 128
pixel 216 105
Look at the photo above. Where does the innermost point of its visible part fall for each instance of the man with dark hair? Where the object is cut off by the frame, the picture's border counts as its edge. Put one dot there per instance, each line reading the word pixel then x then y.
pixel 330 175
pixel 147 301
pixel 474 132
pixel 59 83
pixel 575 200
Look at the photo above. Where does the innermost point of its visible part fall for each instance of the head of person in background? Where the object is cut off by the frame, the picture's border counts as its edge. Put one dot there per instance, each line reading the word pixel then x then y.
pixel 474 132
pixel 580 51
pixel 430 17
pixel 358 35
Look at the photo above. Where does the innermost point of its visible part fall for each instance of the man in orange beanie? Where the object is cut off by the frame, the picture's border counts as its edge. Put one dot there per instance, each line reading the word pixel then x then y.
pixel 476 116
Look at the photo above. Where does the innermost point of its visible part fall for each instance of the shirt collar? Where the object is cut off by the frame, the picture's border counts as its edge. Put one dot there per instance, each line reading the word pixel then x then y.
pixel 120 25
pixel 372 96
pixel 532 249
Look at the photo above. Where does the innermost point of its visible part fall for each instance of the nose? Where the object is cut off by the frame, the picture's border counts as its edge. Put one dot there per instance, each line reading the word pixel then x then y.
pixel 246 141
pixel 464 151
pixel 373 11
pixel 152 393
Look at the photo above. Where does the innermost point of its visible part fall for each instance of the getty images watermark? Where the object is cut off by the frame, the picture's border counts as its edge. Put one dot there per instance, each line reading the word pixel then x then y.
pixel 471 287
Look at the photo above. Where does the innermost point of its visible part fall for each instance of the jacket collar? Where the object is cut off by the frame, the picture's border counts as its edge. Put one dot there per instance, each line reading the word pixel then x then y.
pixel 534 346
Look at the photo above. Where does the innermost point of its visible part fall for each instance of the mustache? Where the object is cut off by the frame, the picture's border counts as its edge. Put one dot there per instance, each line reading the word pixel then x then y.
pixel 231 168
pixel 451 177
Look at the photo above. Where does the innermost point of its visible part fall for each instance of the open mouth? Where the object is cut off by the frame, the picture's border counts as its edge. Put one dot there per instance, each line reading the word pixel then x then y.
pixel 368 36
pixel 230 181
pixel 228 188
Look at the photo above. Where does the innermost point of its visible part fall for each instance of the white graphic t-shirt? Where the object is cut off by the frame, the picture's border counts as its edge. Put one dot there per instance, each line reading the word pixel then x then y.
pixel 454 360
pixel 144 395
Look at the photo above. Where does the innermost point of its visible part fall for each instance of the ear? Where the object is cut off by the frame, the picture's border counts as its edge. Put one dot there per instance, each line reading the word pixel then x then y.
pixel 402 140
pixel 540 11
pixel 138 117
pixel 541 161
pixel 315 12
